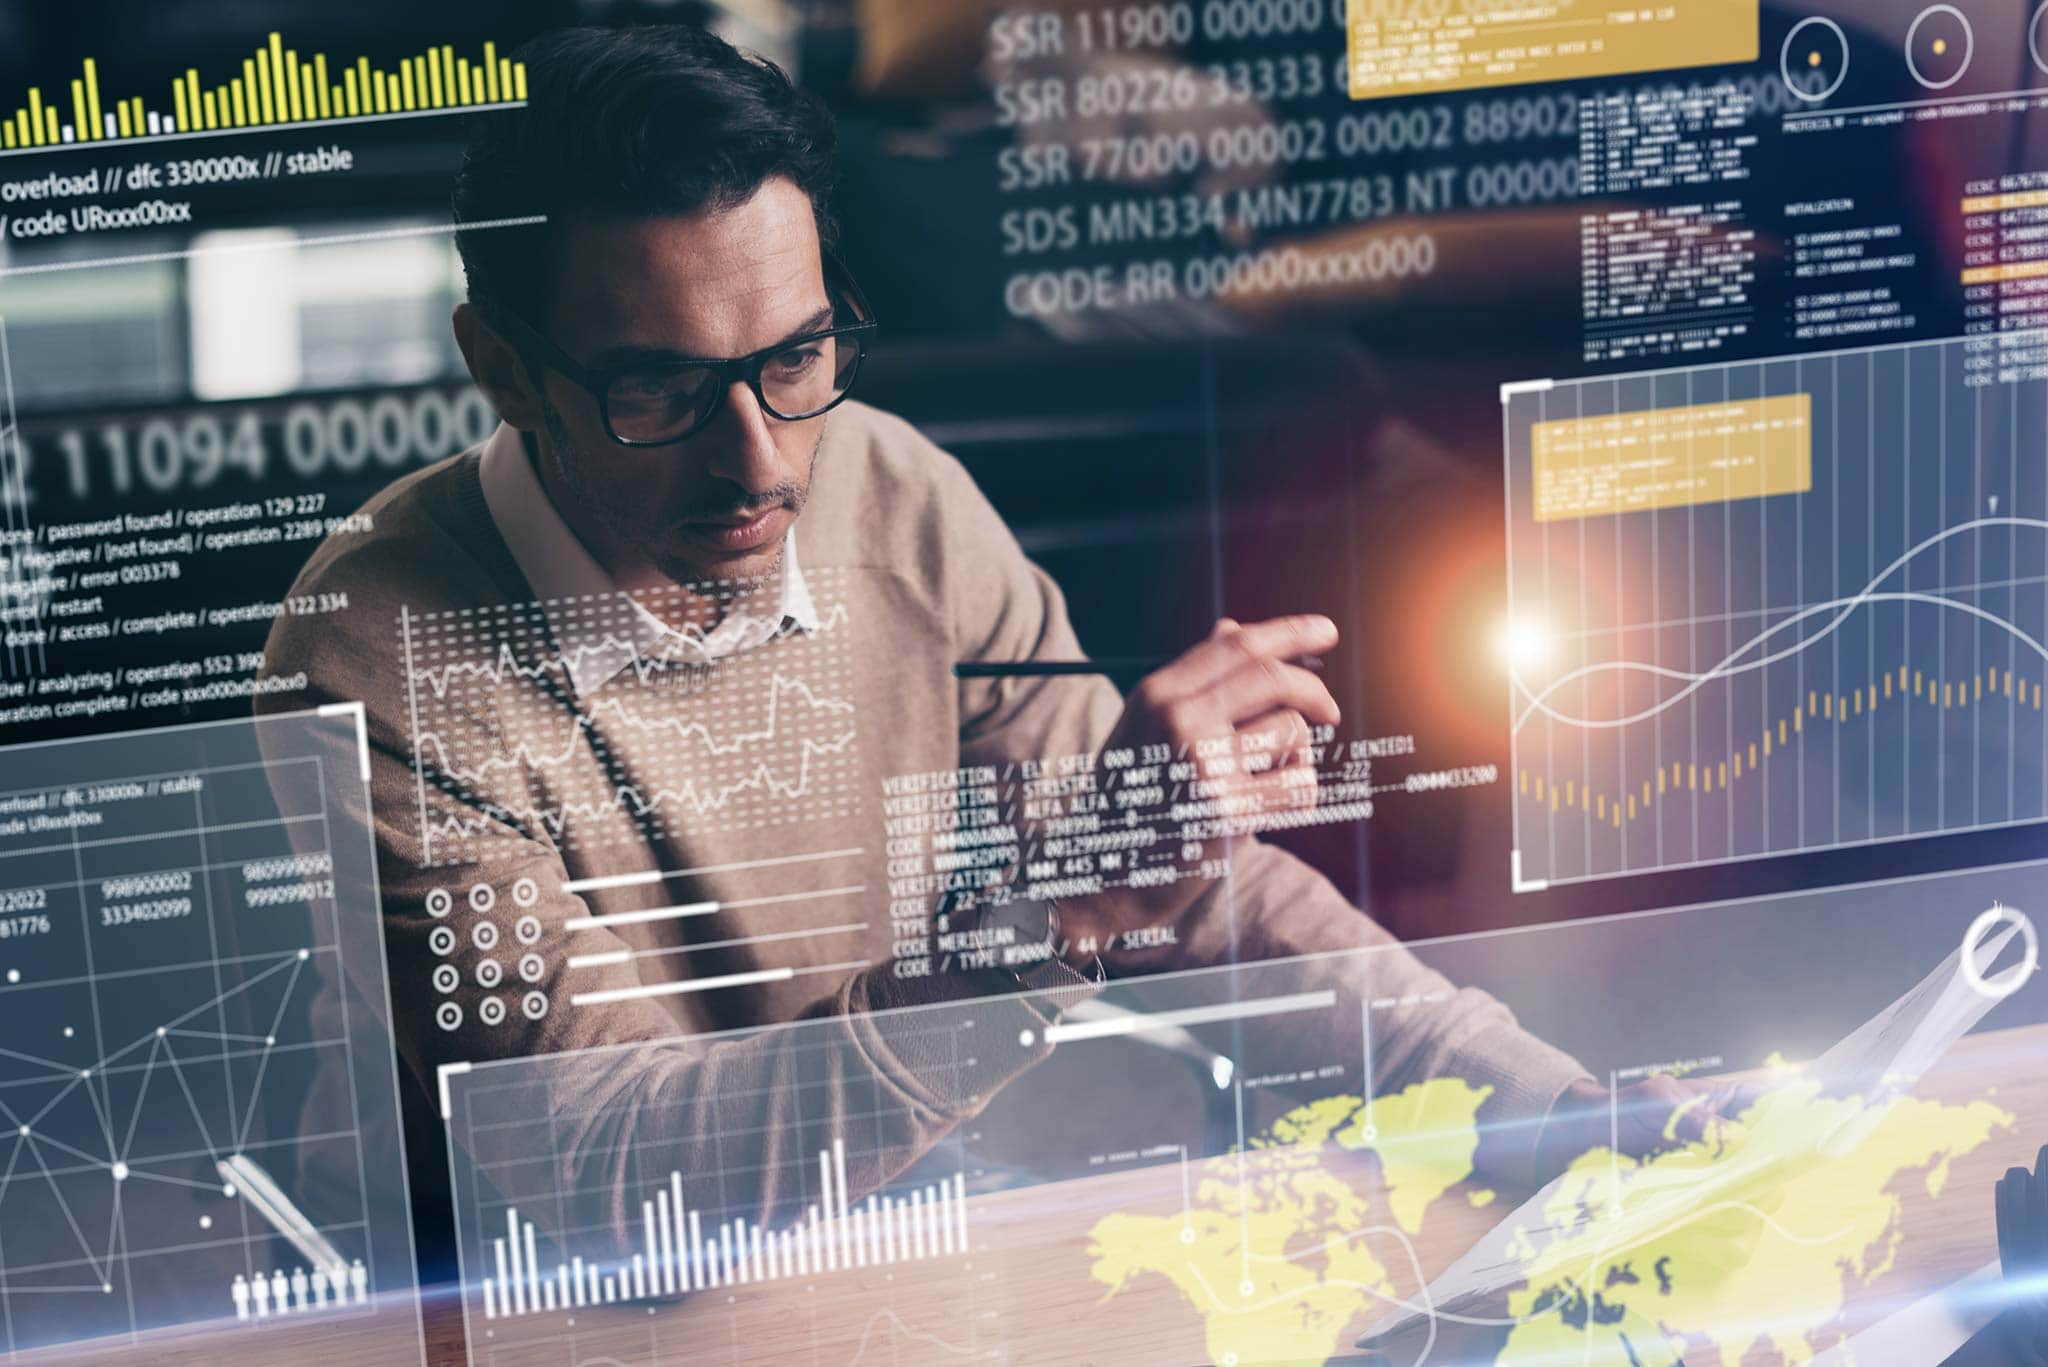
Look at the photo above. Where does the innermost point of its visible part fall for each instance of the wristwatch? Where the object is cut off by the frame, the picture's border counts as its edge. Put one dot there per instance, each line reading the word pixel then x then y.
pixel 1030 953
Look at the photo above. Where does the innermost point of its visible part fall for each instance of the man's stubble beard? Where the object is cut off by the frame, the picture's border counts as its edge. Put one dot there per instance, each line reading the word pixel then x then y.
pixel 620 515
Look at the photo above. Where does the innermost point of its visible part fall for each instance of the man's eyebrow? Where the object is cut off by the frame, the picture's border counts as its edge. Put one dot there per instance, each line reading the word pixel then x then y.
pixel 652 355
pixel 817 322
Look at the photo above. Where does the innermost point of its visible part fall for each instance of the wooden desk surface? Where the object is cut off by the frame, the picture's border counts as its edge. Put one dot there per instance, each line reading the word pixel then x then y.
pixel 1029 1296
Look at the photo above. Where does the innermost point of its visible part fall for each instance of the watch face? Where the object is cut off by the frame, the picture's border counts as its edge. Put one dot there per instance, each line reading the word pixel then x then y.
pixel 1032 922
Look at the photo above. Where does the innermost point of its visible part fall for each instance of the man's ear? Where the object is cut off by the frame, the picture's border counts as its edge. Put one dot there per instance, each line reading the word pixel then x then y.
pixel 497 369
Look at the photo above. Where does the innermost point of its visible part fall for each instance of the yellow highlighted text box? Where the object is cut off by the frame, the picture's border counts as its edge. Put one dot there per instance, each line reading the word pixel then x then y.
pixel 1673 457
pixel 2013 199
pixel 1415 47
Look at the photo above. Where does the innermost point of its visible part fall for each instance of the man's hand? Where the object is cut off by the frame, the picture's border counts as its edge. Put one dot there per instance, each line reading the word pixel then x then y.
pixel 1647 1118
pixel 1241 710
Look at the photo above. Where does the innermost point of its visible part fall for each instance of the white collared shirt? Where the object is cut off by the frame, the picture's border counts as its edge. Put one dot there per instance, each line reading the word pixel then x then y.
pixel 562 570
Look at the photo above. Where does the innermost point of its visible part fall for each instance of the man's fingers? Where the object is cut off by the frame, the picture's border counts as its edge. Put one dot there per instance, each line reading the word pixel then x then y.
pixel 1286 638
pixel 1229 646
pixel 1730 1100
pixel 1272 741
pixel 1247 800
pixel 1283 790
pixel 1265 684
pixel 1289 638
pixel 1690 1119
pixel 1698 1109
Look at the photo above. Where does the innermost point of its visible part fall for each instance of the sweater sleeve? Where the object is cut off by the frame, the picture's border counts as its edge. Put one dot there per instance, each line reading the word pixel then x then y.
pixel 1272 905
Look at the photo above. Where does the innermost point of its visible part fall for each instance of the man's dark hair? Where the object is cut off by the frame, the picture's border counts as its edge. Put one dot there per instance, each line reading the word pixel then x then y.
pixel 628 122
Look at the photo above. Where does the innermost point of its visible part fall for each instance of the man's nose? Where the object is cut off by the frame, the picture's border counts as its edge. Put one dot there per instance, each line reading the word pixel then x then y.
pixel 744 449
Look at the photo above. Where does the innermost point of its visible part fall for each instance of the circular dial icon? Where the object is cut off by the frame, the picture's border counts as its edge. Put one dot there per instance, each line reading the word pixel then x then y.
pixel 1939 46
pixel 1815 59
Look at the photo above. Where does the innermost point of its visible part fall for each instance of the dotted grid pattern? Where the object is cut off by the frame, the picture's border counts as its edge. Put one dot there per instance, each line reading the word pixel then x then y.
pixel 490 971
pixel 759 738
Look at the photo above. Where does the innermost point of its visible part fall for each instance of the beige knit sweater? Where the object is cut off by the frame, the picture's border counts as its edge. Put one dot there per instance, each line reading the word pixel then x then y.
pixel 912 570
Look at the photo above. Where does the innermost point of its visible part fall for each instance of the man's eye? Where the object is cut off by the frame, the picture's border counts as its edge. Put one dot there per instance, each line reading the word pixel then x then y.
pixel 795 361
pixel 656 386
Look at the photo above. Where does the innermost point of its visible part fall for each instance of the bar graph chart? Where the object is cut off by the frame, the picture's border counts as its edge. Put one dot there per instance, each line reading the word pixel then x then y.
pixel 275 86
pixel 614 1202
pixel 680 1255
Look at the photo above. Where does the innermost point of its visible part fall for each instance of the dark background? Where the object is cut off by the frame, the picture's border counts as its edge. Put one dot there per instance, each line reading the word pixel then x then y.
pixel 1343 461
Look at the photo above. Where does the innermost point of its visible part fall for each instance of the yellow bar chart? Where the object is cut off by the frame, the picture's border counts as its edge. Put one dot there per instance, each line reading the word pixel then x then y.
pixel 274 86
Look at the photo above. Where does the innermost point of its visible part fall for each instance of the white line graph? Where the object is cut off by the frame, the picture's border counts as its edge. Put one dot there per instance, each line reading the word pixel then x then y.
pixel 620 713
pixel 651 800
pixel 564 666
pixel 904 1329
pixel 588 722
pixel 1733 663
pixel 1861 658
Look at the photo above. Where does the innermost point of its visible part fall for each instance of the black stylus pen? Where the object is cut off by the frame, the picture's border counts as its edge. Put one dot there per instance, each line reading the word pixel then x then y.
pixel 1118 666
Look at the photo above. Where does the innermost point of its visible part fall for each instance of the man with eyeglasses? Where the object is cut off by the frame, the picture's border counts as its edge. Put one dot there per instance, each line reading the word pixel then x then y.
pixel 681 487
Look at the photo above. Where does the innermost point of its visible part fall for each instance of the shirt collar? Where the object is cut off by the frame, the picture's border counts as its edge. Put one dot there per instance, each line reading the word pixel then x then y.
pixel 563 573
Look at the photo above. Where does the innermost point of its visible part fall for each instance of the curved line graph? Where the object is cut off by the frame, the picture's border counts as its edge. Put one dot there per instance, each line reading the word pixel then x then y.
pixel 1728 666
pixel 907 1331
pixel 1698 681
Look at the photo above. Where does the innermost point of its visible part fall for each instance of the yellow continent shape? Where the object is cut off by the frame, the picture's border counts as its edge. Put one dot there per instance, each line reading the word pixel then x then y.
pixel 1275 1253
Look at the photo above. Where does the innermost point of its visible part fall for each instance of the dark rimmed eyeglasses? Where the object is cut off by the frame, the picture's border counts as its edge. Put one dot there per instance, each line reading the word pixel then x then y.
pixel 659 403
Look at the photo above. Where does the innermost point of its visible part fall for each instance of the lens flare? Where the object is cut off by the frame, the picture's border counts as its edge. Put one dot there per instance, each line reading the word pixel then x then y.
pixel 1523 644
